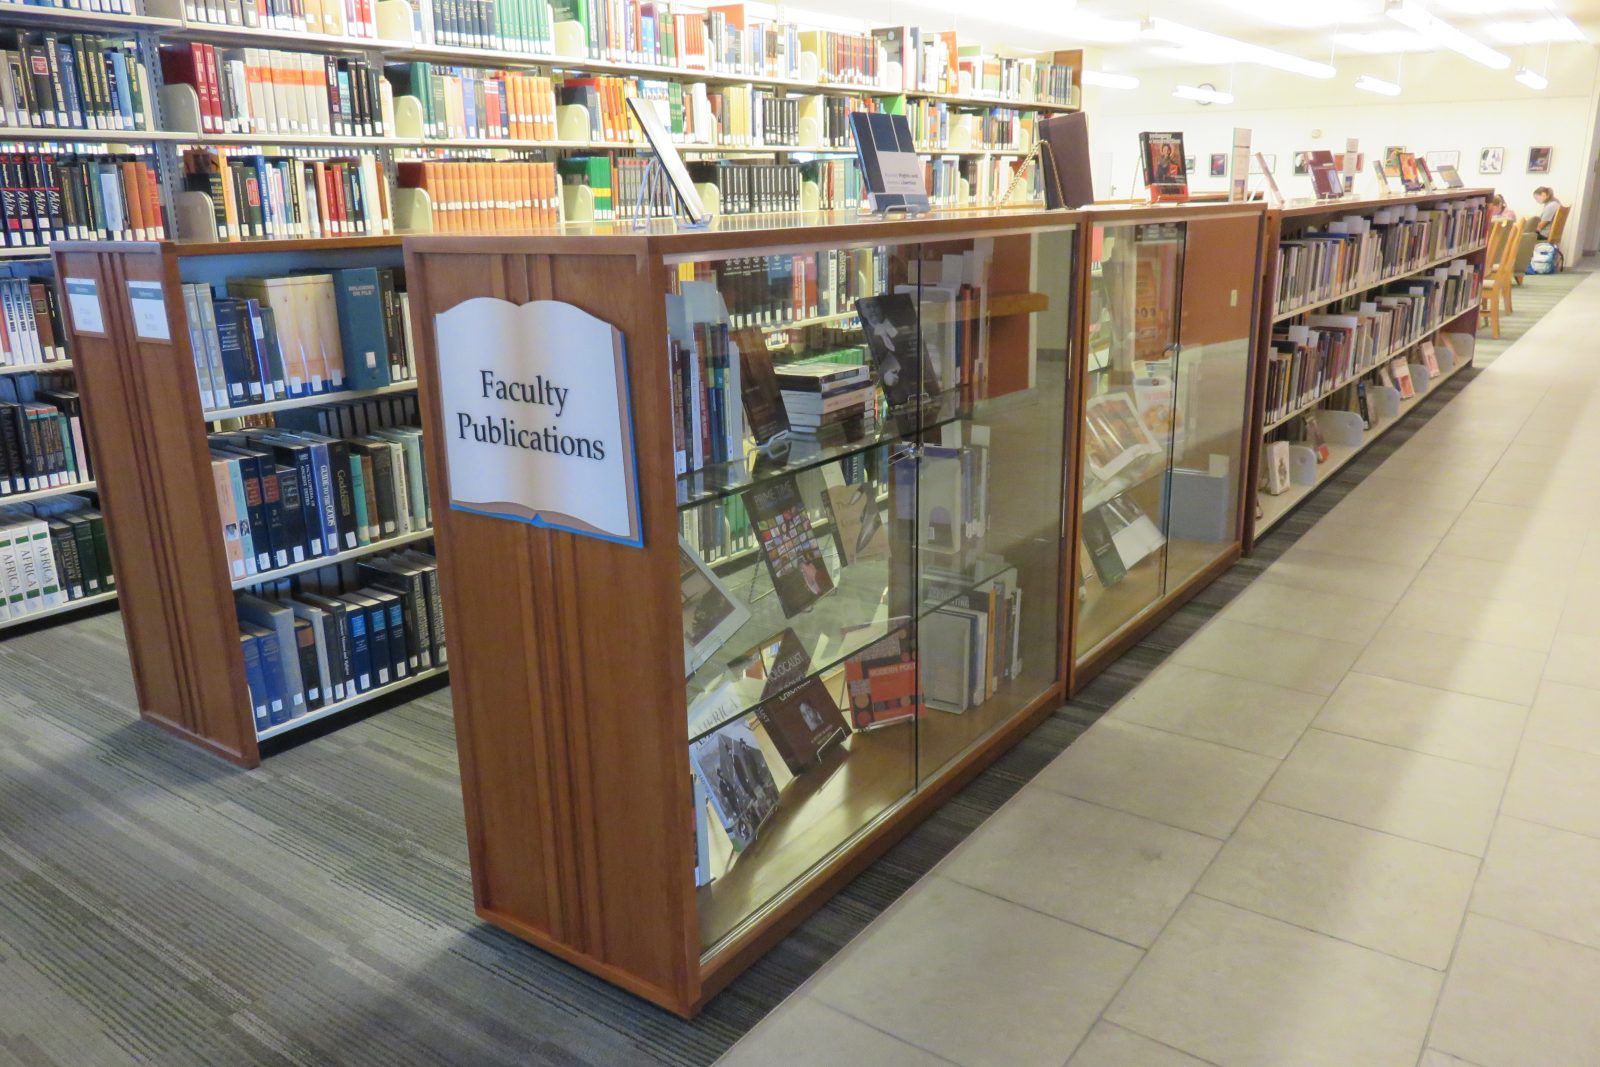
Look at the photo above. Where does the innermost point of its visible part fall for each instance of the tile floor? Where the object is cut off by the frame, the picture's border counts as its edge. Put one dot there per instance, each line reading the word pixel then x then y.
pixel 1354 821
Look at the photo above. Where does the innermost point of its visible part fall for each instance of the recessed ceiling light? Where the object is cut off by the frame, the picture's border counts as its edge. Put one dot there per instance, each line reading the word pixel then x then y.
pixel 1532 79
pixel 1412 15
pixel 1377 85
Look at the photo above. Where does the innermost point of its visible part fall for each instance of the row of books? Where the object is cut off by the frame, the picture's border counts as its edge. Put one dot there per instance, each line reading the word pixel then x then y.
pixel 1358 251
pixel 73 81
pixel 484 197
pixel 338 632
pixel 267 91
pixel 288 196
pixel 934 122
pixel 99 7
pixel 41 435
pixel 337 18
pixel 52 552
pixel 934 62
pixel 1309 359
pixel 777 290
pixel 48 197
pixel 289 495
pixel 838 182
pixel 467 102
pixel 277 338
pixel 31 330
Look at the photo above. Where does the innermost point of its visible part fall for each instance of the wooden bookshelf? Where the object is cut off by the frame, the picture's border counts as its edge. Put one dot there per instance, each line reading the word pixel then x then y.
pixel 154 477
pixel 1461 322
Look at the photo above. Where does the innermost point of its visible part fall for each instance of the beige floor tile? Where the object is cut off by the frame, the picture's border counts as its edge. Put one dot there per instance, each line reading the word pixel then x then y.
pixel 1501 622
pixel 1426 798
pixel 1499 672
pixel 1307 611
pixel 1387 893
pixel 1434 1058
pixel 1243 990
pixel 1558 787
pixel 978 980
pixel 1575 660
pixel 1542 878
pixel 802 1032
pixel 1237 712
pixel 1367 541
pixel 1306 569
pixel 1112 1046
pixel 1530 583
pixel 1581 614
pixel 1509 546
pixel 1175 780
pixel 1433 496
pixel 1436 721
pixel 1518 998
pixel 1432 466
pixel 1558 524
pixel 1567 716
pixel 1112 872
pixel 1263 654
pixel 1401 516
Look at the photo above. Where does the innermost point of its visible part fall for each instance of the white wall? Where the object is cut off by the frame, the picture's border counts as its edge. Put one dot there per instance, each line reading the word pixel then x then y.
pixel 1445 107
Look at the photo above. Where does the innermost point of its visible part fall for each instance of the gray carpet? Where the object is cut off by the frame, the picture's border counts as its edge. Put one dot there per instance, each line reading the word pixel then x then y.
pixel 160 907
pixel 1530 301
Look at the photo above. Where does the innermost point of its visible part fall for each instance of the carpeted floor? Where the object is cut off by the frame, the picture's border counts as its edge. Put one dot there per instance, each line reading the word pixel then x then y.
pixel 160 907
pixel 1537 294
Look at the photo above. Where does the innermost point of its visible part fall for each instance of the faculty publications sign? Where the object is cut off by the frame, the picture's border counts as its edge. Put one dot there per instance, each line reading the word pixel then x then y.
pixel 537 423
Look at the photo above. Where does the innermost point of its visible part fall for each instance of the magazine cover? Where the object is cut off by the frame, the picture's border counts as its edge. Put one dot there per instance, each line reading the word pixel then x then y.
pixel 738 780
pixel 894 338
pixel 783 529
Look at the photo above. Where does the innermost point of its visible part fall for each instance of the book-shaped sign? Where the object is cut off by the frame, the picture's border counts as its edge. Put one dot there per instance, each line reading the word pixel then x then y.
pixel 537 421
pixel 890 167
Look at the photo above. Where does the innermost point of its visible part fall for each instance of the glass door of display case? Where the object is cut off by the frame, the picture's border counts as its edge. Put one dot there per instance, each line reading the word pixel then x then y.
pixel 869 444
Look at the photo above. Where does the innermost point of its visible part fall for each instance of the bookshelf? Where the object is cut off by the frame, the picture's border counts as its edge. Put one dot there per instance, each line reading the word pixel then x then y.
pixel 1164 411
pixel 1349 394
pixel 577 748
pixel 159 478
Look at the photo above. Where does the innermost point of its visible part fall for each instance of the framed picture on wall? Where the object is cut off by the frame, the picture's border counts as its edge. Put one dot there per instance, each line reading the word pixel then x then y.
pixel 1435 160
pixel 1219 164
pixel 1302 163
pixel 1188 165
pixel 1539 159
pixel 1491 160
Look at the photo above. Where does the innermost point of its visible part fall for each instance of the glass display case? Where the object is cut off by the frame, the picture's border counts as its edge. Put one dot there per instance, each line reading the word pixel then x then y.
pixel 870 447
pixel 1165 415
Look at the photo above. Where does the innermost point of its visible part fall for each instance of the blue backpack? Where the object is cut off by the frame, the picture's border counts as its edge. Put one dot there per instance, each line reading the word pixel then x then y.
pixel 1546 259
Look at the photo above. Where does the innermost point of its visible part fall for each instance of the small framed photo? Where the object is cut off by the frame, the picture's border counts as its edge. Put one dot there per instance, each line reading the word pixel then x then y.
pixel 1491 160
pixel 1302 163
pixel 1188 165
pixel 1219 164
pixel 1539 159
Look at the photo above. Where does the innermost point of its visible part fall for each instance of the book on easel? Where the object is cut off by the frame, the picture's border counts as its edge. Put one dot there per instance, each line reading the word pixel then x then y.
pixel 1165 173
pixel 1065 160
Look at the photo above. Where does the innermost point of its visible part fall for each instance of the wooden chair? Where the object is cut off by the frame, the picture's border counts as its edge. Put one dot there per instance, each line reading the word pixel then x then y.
pixel 1527 240
pixel 1557 226
pixel 1498 260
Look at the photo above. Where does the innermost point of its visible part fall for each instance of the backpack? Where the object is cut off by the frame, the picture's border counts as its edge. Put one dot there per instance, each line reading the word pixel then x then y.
pixel 1546 259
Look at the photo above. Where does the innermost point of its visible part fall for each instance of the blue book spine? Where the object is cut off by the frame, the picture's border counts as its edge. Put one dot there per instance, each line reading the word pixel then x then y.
pixel 366 348
pixel 119 70
pixel 360 647
pixel 255 680
pixel 277 683
pixel 398 648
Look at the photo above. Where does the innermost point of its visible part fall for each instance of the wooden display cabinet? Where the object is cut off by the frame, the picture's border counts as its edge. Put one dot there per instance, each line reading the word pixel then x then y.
pixel 572 708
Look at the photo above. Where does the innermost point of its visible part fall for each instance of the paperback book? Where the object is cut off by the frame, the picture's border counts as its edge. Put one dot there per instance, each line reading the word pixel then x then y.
pixel 894 338
pixel 783 530
pixel 711 615
pixel 738 780
pixel 1165 169
pixel 804 722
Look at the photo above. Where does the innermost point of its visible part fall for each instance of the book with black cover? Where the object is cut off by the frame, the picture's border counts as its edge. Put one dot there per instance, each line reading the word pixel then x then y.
pixel 763 400
pixel 803 722
pixel 894 338
pixel 783 529
pixel 891 170
pixel 1065 159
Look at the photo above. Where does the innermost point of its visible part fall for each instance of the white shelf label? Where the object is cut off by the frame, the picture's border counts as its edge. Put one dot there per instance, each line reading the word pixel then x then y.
pixel 83 298
pixel 149 311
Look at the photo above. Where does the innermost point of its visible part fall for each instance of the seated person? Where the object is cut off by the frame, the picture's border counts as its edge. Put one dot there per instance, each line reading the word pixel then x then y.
pixel 1498 209
pixel 1548 206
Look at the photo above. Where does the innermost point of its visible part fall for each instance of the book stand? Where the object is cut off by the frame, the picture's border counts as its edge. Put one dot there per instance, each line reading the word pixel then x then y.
pixel 1036 157
pixel 652 183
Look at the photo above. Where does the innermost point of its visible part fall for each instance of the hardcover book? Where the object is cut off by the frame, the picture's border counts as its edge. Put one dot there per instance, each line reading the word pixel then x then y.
pixel 882 683
pixel 783 530
pixel 763 401
pixel 858 524
pixel 891 170
pixel 1165 170
pixel 711 615
pixel 738 780
pixel 1065 159
pixel 803 722
pixel 894 338
pixel 1115 434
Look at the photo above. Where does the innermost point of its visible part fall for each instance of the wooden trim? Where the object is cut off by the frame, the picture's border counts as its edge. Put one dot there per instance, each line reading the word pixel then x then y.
pixel 1345 207
pixel 1265 312
pixel 1114 648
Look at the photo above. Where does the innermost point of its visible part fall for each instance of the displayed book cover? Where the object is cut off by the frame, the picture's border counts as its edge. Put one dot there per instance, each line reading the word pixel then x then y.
pixel 1451 177
pixel 1402 379
pixel 1275 469
pixel 894 339
pixel 1115 434
pixel 1067 179
pixel 1103 554
pixel 891 170
pixel 740 784
pixel 1325 178
pixel 882 682
pixel 711 615
pixel 1408 173
pixel 783 530
pixel 1315 439
pixel 803 722
pixel 858 524
pixel 1383 175
pixel 780 661
pixel 1430 358
pixel 1165 170
pixel 1424 174
pixel 758 384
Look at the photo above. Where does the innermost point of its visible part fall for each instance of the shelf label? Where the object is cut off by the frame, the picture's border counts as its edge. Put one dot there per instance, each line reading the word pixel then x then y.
pixel 83 299
pixel 538 426
pixel 149 311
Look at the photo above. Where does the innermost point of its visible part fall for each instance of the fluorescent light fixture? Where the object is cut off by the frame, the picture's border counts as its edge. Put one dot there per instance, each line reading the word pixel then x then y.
pixel 1555 28
pixel 1377 85
pixel 1531 79
pixel 1414 16
pixel 1202 95
pixel 1106 80
pixel 1236 51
